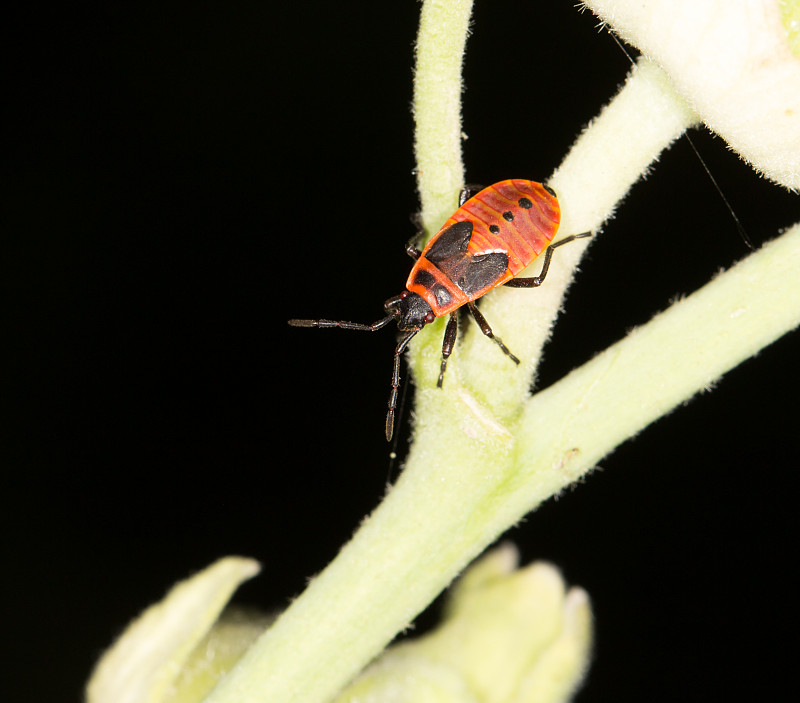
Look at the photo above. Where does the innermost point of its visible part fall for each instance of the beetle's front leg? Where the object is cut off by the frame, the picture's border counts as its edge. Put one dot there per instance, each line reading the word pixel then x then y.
pixel 450 334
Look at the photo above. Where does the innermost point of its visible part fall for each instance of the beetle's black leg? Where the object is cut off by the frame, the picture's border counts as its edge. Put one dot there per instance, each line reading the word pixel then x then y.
pixel 419 236
pixel 450 334
pixel 467 192
pixel 536 281
pixel 481 320
pixel 413 251
pixel 343 324
pixel 401 347
pixel 412 248
pixel 390 306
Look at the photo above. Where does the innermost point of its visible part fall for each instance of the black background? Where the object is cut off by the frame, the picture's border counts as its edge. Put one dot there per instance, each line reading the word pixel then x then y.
pixel 181 179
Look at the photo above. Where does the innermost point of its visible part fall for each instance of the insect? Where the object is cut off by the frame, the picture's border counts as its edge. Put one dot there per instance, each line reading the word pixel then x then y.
pixel 493 236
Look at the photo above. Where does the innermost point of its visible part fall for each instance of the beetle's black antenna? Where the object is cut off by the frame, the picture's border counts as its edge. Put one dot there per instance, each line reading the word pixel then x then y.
pixel 345 325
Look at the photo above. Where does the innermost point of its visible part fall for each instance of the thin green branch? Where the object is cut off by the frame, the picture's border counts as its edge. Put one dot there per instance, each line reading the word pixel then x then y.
pixel 566 429
pixel 442 37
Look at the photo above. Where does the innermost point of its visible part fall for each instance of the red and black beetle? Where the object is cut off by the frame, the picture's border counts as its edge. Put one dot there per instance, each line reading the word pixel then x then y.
pixel 493 236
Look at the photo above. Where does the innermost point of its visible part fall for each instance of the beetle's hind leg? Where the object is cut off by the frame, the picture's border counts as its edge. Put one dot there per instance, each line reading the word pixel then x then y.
pixel 481 320
pixel 536 281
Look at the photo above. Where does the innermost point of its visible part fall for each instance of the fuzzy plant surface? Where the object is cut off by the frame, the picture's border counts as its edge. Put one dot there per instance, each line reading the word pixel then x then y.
pixel 485 451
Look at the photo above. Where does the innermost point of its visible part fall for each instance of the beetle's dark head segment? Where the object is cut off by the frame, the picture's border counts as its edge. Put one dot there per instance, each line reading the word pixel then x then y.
pixel 412 312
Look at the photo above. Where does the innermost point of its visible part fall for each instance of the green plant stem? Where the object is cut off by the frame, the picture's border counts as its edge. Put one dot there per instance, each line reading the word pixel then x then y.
pixel 480 463
pixel 660 365
pixel 441 41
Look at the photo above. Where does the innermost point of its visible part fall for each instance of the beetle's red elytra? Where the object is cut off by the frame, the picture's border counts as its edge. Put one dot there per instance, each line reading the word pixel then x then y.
pixel 493 236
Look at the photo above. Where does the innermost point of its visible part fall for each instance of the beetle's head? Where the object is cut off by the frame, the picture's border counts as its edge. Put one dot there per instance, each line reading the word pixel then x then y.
pixel 412 311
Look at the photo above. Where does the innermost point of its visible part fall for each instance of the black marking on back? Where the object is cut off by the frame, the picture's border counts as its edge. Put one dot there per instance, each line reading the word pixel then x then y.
pixel 472 274
pixel 508 216
pixel 525 203
pixel 494 229
pixel 482 272
pixel 451 242
pixel 424 279
pixel 441 294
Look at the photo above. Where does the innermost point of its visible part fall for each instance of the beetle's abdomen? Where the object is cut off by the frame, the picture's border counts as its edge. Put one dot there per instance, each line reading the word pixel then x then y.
pixel 490 239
